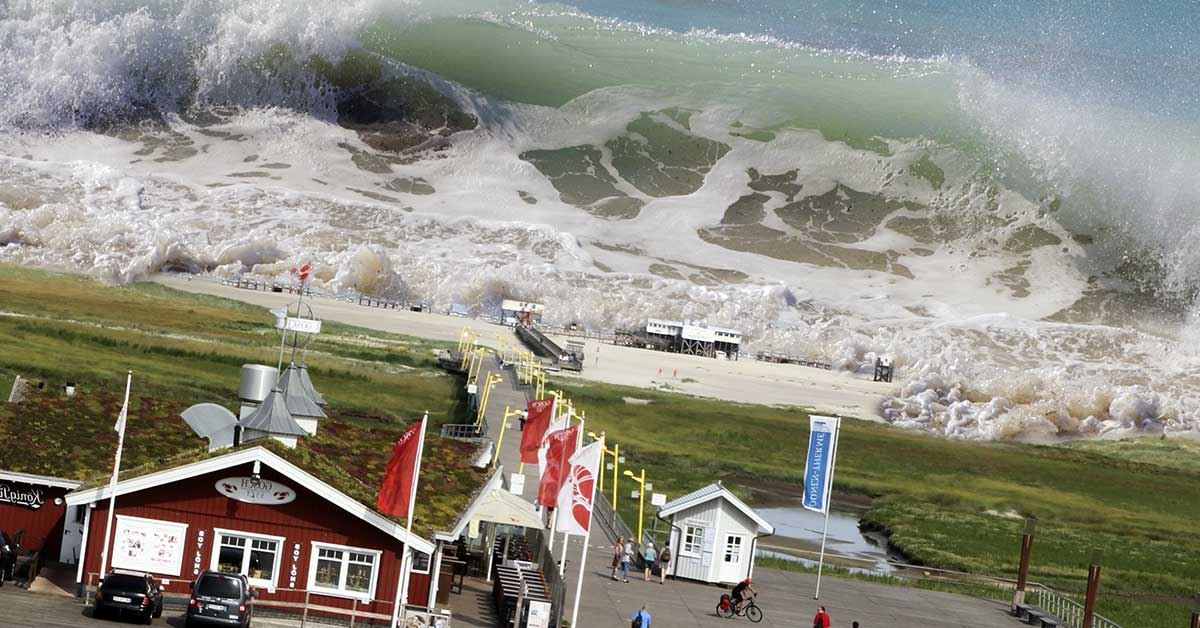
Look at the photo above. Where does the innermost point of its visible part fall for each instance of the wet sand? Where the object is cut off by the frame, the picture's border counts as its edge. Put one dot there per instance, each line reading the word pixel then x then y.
pixel 745 380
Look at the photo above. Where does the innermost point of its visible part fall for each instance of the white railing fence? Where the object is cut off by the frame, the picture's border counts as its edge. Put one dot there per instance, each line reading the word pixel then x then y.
pixel 1064 608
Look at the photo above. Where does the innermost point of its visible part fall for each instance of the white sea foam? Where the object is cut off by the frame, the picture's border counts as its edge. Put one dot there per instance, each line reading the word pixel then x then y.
pixel 270 186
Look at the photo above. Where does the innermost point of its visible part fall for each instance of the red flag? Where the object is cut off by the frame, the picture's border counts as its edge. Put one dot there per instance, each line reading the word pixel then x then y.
pixel 559 445
pixel 302 272
pixel 396 492
pixel 535 428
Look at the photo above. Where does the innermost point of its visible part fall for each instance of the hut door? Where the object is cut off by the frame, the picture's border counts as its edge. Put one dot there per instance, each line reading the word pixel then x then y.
pixel 732 555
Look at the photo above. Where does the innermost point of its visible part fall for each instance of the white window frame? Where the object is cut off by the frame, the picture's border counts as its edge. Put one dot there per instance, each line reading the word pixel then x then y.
pixel 342 592
pixel 740 545
pixel 428 562
pixel 279 541
pixel 683 541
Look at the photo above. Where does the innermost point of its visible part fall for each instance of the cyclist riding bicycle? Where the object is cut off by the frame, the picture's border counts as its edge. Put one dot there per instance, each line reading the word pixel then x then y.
pixel 739 593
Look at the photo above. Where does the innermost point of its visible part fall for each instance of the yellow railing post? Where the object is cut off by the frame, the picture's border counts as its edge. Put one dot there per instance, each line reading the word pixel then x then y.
pixel 641 480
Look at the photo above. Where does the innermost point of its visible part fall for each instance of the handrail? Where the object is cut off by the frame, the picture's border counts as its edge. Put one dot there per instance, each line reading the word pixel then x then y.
pixel 1065 609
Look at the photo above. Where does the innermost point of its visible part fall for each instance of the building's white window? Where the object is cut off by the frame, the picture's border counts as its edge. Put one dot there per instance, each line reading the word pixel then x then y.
pixel 733 549
pixel 420 562
pixel 693 540
pixel 254 555
pixel 343 571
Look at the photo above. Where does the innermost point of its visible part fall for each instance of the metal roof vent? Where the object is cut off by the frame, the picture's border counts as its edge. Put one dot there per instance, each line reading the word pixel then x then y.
pixel 308 386
pixel 213 422
pixel 299 404
pixel 257 382
pixel 272 418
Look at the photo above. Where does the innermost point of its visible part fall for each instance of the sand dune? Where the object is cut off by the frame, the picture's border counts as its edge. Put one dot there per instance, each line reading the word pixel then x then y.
pixel 748 381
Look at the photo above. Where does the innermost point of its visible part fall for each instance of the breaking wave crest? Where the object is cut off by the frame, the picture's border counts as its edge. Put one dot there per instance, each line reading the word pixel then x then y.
pixel 1022 254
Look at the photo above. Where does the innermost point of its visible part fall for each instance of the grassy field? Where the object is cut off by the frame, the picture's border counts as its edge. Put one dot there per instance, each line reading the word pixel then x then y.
pixel 949 504
pixel 61 328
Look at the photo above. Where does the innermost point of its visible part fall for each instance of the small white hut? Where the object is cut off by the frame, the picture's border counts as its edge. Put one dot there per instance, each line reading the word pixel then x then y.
pixel 713 535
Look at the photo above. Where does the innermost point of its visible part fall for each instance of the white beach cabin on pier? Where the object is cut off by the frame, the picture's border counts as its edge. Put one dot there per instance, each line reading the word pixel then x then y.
pixel 713 535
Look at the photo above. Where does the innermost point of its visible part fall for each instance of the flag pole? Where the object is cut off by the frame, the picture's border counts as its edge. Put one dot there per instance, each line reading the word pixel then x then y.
pixel 407 562
pixel 586 538
pixel 837 436
pixel 112 483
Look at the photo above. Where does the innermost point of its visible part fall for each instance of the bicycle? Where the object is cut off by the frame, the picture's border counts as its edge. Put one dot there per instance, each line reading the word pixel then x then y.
pixel 726 608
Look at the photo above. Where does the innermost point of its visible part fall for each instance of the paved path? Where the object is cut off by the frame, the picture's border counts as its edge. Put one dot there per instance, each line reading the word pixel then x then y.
pixel 25 609
pixel 786 600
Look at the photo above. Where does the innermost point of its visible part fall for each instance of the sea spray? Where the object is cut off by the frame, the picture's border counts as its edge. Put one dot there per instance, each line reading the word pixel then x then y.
pixel 842 202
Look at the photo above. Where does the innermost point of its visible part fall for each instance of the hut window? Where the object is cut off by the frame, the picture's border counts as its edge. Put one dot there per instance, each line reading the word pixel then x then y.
pixel 344 571
pixel 420 562
pixel 693 539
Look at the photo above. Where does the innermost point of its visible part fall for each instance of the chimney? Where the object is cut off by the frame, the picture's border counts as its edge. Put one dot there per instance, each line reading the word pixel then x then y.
pixel 256 384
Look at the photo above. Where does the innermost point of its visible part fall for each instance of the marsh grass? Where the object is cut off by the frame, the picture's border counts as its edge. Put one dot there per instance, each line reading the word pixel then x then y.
pixel 948 504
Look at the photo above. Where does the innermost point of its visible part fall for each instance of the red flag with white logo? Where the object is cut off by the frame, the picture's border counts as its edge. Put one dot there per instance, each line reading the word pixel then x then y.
pixel 540 411
pixel 302 272
pixel 399 484
pixel 557 448
pixel 576 496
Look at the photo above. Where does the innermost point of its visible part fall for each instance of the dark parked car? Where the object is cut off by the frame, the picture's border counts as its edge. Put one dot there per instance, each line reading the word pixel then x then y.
pixel 220 599
pixel 129 593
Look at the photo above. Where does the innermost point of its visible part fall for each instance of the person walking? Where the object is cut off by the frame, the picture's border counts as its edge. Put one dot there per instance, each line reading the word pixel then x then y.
pixel 626 558
pixel 664 561
pixel 640 619
pixel 822 618
pixel 618 547
pixel 649 557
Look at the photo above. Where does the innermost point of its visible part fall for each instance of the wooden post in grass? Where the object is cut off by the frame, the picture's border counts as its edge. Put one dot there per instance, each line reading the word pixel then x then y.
pixel 1023 573
pixel 1093 589
pixel 1196 612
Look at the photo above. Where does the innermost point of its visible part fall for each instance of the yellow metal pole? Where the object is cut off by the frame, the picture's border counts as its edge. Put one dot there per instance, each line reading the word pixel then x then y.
pixel 616 465
pixel 641 504
pixel 641 499
pixel 508 412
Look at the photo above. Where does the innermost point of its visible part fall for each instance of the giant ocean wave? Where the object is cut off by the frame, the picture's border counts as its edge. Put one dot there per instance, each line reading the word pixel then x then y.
pixel 1022 253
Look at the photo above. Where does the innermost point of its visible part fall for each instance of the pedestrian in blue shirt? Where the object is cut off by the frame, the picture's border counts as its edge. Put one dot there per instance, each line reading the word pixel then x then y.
pixel 641 619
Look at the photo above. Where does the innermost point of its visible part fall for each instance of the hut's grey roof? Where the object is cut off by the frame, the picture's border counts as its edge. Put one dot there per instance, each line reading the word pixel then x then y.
pixel 709 493
pixel 309 388
pixel 273 417
pixel 297 398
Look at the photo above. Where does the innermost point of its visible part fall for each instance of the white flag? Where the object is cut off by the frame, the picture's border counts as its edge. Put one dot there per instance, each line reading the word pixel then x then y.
pixel 120 426
pixel 576 496
pixel 557 423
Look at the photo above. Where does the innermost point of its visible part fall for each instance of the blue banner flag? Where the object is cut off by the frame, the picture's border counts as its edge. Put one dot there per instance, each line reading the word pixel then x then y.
pixel 818 471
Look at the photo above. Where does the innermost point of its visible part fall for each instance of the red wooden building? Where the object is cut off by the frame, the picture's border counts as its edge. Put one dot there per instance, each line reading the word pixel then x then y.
pixel 298 518
pixel 287 530
pixel 32 509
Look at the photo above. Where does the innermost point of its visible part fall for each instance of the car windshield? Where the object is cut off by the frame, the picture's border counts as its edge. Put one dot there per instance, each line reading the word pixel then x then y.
pixel 125 582
pixel 220 586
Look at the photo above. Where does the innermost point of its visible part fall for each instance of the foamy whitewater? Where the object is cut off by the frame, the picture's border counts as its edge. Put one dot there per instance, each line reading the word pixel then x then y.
pixel 1005 210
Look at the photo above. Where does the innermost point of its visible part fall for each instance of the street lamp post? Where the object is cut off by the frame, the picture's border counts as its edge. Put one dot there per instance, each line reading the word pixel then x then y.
pixel 641 480
pixel 492 380
pixel 508 412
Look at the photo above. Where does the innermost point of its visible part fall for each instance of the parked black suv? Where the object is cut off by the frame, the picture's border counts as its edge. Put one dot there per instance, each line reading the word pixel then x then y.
pixel 129 593
pixel 220 599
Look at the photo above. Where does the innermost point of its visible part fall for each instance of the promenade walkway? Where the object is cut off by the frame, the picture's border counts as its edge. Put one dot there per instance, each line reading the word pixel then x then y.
pixel 786 597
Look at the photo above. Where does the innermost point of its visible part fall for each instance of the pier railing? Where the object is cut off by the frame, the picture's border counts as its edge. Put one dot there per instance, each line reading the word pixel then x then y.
pixel 1065 609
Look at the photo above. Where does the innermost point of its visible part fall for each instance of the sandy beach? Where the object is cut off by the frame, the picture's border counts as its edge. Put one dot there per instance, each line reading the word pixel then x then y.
pixel 745 380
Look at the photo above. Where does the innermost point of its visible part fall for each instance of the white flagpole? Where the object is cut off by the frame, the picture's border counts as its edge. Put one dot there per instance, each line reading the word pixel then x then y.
pixel 401 606
pixel 837 435
pixel 112 483
pixel 586 538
